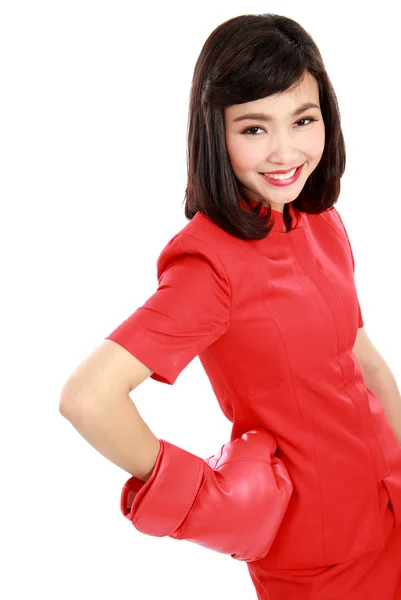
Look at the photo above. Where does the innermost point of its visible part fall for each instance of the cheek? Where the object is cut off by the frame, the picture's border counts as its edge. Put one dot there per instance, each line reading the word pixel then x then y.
pixel 316 147
pixel 312 147
pixel 243 155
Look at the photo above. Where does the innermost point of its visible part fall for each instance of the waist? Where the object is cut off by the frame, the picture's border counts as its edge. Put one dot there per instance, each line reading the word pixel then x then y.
pixel 323 527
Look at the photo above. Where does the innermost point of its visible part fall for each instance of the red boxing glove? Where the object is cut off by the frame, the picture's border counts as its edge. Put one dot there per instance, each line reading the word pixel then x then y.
pixel 232 502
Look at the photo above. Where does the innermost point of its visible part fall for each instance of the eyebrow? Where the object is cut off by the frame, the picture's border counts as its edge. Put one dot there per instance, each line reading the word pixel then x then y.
pixel 265 117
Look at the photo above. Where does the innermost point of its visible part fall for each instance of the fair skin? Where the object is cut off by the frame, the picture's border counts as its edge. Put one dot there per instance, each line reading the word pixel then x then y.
pixel 256 145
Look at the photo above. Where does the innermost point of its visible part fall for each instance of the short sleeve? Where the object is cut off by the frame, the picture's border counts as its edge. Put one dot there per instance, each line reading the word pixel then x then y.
pixel 360 318
pixel 189 311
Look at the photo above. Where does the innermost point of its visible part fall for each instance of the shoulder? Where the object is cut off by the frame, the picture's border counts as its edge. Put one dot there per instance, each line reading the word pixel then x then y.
pixel 332 217
pixel 202 238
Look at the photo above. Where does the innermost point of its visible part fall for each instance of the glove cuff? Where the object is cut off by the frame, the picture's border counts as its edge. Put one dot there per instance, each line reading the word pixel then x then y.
pixel 159 505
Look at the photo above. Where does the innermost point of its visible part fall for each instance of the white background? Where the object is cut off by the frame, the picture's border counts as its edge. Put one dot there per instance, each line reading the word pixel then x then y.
pixel 94 99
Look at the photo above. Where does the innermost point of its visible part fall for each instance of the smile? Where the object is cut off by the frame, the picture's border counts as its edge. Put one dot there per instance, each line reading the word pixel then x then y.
pixel 283 180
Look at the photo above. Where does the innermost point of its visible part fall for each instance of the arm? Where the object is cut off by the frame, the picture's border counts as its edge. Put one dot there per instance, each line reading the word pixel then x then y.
pixel 233 502
pixel 116 430
pixel 379 379
pixel 96 401
pixel 377 375
pixel 382 383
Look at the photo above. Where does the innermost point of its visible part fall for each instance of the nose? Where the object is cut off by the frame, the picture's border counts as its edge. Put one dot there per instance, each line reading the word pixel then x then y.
pixel 281 151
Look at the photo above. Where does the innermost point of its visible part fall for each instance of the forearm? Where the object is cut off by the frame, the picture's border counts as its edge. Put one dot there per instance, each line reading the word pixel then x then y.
pixel 382 383
pixel 116 430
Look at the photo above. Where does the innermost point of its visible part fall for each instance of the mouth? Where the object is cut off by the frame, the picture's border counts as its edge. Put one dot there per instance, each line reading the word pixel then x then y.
pixel 285 179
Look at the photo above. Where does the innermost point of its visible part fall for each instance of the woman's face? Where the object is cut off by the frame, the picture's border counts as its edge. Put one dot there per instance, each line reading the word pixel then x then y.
pixel 263 136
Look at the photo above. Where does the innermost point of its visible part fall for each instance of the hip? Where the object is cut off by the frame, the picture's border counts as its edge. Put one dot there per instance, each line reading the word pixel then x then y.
pixel 372 575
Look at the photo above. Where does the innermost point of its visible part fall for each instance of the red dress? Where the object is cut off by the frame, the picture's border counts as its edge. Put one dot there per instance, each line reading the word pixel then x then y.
pixel 274 322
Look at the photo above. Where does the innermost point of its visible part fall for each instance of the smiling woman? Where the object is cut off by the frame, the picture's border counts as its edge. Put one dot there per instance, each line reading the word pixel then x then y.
pixel 260 286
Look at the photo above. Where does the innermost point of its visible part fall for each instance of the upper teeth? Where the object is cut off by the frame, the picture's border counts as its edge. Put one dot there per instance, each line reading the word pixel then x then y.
pixel 283 176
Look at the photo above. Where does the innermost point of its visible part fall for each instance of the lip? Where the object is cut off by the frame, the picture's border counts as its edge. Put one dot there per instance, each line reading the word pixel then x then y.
pixel 282 172
pixel 278 183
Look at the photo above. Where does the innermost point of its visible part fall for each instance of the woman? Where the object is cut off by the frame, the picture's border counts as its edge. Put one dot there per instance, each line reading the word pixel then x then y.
pixel 260 285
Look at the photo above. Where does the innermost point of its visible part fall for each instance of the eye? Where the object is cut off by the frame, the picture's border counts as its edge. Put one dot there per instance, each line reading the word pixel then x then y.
pixel 251 130
pixel 307 119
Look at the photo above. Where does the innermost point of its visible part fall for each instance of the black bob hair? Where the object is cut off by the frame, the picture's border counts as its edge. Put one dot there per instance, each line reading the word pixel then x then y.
pixel 244 59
